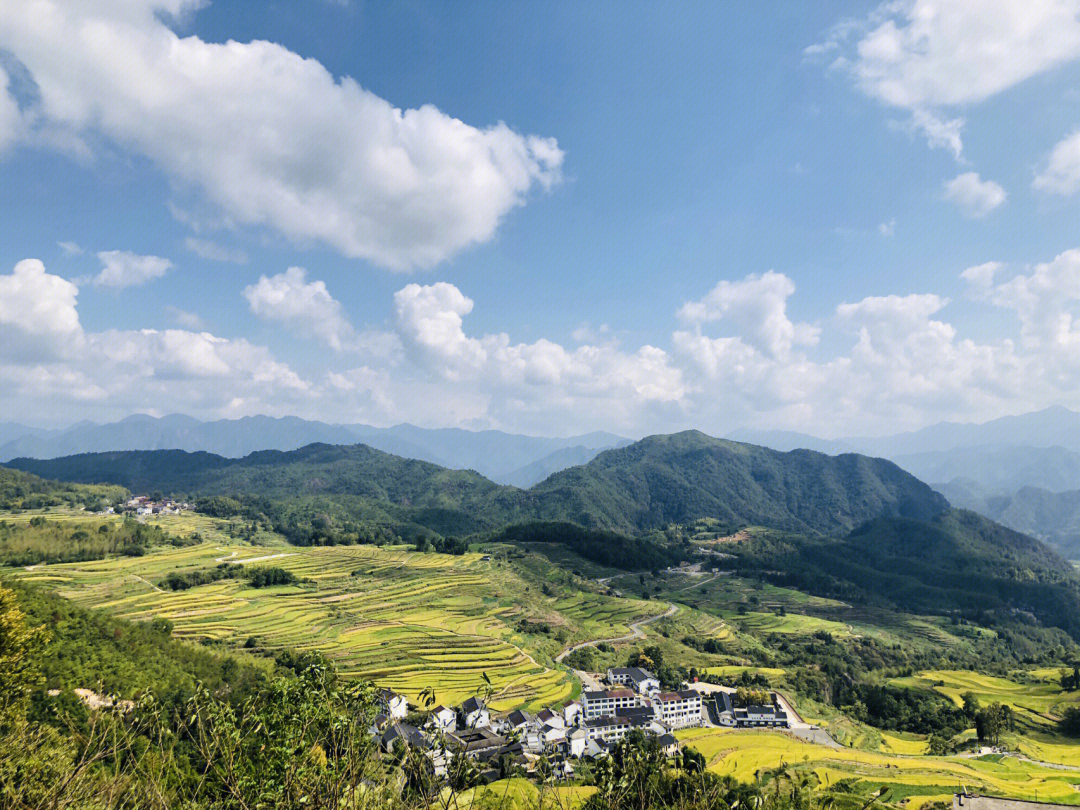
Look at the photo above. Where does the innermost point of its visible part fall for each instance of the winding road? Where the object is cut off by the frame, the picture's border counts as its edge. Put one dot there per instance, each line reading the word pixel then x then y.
pixel 635 632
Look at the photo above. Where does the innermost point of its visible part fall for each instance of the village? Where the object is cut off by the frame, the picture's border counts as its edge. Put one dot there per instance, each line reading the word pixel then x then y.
pixel 589 728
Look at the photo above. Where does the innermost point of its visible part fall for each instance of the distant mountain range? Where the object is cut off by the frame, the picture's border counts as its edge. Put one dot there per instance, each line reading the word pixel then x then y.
pixel 503 457
pixel 649 484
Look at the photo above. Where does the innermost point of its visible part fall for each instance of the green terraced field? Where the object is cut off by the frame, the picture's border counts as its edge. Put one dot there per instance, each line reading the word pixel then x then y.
pixel 402 619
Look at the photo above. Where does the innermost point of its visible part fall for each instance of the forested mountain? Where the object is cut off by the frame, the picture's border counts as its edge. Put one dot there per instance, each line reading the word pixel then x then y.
pixel 959 562
pixel 495 454
pixel 654 482
pixel 1053 517
pixel 681 477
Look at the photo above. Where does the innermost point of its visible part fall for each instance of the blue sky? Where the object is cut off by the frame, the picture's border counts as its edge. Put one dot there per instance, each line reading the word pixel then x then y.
pixel 636 217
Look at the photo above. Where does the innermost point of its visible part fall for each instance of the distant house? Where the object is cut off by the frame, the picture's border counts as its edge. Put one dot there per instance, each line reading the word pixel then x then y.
pixel 395 705
pixel 476 742
pixel 668 744
pixel 474 713
pixel 444 718
pixel 599 703
pixel 410 736
pixel 640 680
pixel 575 742
pixel 546 717
pixel 612 729
pixel 761 717
pixel 681 709
pixel 519 720
pixel 571 713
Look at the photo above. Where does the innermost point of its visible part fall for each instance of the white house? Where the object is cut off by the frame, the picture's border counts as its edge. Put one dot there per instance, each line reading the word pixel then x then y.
pixel 571 713
pixel 395 705
pixel 546 717
pixel 640 680
pixel 475 713
pixel 444 719
pixel 575 742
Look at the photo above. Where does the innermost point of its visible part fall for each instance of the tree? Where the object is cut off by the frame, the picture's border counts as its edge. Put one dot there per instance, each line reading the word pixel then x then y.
pixel 971 704
pixel 19 645
pixel 1070 721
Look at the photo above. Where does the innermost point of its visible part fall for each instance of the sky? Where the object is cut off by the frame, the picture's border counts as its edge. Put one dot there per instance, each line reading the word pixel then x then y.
pixel 838 218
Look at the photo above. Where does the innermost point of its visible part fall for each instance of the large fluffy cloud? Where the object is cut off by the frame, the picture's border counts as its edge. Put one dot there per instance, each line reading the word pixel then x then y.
pixel 876 364
pixel 49 363
pixel 307 307
pixel 931 56
pixel 267 136
pixel 429 320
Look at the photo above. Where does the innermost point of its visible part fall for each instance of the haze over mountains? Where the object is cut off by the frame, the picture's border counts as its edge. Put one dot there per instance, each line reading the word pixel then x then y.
pixel 659 480
pixel 503 457
pixel 1023 471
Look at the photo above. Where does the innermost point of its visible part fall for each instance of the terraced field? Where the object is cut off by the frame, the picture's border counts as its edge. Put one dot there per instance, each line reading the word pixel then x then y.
pixel 403 619
pixel 746 754
pixel 1033 700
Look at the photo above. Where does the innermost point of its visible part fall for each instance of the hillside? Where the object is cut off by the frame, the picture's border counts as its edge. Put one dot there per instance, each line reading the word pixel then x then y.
pixel 958 562
pixel 1053 517
pixel 681 477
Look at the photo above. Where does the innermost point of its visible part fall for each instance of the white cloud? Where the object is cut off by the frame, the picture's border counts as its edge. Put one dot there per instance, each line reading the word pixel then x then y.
pixel 887 228
pixel 980 278
pixel 304 306
pixel 1061 174
pixel 1046 302
pixel 38 317
pixel 273 139
pixel 48 362
pixel 925 56
pixel 530 377
pixel 70 248
pixel 11 119
pixel 122 268
pixel 757 307
pixel 205 249
pixel 973 196
pixel 189 320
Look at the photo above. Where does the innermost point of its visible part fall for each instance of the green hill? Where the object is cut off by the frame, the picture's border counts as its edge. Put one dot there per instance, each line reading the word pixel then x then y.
pixel 649 484
pixel 682 477
pixel 958 563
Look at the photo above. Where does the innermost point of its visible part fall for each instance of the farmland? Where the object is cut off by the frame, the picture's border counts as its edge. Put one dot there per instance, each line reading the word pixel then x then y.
pixel 748 755
pixel 403 619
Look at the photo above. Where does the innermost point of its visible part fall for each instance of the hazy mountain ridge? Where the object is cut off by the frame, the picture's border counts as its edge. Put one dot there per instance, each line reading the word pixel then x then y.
pixel 649 484
pixel 496 454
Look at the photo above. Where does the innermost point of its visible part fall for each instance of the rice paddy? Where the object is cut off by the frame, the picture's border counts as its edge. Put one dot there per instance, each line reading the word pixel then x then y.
pixel 1035 697
pixel 747 755
pixel 402 619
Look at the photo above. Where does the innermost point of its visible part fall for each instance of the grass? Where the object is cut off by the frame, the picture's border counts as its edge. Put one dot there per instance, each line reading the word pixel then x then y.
pixel 403 619
pixel 747 754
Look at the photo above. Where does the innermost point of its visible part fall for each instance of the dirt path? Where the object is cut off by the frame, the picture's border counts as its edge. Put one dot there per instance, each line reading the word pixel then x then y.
pixel 635 633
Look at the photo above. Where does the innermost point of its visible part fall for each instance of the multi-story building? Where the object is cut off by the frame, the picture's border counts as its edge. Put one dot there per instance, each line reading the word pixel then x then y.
pixel 611 729
pixel 609 703
pixel 681 709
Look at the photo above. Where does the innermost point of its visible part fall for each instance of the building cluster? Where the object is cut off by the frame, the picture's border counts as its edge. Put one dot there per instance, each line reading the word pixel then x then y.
pixel 632 701
pixel 586 728
pixel 144 505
